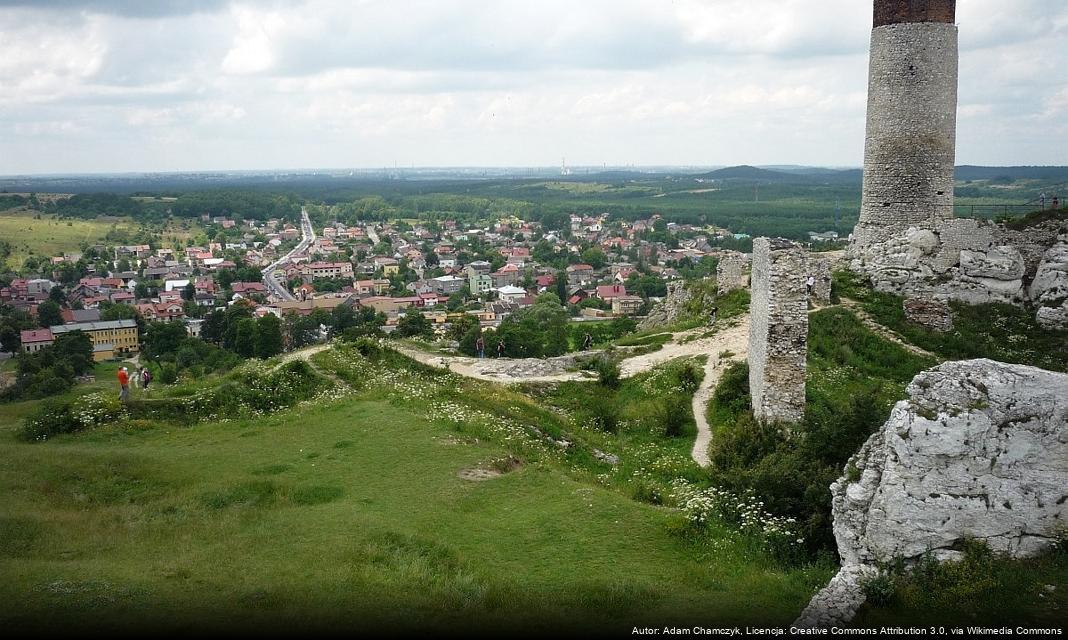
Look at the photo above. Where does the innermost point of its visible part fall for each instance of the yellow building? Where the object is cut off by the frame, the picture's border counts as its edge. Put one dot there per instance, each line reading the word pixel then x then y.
pixel 111 338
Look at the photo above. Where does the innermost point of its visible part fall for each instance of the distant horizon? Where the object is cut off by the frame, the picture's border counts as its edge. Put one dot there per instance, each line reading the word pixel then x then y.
pixel 582 169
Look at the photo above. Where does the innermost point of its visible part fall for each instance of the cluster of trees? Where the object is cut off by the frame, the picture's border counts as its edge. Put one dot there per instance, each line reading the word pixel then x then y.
pixel 51 370
pixel 169 345
pixel 257 205
pixel 538 331
pixel 237 330
pixel 249 205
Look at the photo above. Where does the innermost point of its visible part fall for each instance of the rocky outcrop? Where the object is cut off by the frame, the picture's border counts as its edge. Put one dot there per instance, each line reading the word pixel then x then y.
pixel 839 601
pixel 978 450
pixel 669 309
pixel 1049 289
pixel 962 259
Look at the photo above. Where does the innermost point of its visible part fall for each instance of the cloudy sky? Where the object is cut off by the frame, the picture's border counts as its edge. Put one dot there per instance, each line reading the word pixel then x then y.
pixel 132 85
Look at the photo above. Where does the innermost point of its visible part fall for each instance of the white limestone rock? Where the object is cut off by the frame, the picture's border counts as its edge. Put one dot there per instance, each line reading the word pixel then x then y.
pixel 980 449
pixel 1049 289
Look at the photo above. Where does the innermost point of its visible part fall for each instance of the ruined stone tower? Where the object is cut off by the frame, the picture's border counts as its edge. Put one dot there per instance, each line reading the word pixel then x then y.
pixel 911 126
pixel 778 330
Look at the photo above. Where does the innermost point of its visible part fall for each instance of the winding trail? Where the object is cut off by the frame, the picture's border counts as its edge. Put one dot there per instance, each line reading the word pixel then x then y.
pixel 883 331
pixel 732 338
pixel 735 340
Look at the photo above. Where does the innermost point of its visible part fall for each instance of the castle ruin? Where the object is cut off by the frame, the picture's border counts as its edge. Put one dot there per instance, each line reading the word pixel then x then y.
pixel 731 272
pixel 911 127
pixel 907 240
pixel 778 330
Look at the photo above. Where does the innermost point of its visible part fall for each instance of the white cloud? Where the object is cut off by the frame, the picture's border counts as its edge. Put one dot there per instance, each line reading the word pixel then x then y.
pixel 335 83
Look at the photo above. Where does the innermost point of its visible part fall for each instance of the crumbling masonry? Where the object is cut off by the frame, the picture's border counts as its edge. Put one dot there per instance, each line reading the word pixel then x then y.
pixel 778 330
pixel 732 272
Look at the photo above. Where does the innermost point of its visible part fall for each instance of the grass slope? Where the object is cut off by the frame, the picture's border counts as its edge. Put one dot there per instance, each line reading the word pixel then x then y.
pixel 349 514
pixel 48 236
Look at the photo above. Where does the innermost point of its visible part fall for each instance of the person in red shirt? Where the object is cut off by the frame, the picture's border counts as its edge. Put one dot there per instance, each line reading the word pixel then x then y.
pixel 124 385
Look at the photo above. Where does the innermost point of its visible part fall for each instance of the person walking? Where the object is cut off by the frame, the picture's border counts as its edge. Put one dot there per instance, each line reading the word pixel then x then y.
pixel 500 348
pixel 480 346
pixel 146 377
pixel 811 282
pixel 124 385
pixel 587 342
pixel 712 316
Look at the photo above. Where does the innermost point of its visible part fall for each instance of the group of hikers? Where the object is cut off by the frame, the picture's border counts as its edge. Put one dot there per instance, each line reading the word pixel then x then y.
pixel 142 378
pixel 480 347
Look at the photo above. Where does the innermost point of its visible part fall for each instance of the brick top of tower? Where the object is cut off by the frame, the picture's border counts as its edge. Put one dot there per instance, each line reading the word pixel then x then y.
pixel 899 11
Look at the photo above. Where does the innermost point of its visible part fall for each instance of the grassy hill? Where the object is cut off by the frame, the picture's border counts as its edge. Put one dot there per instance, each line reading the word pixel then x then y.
pixel 350 513
pixel 30 234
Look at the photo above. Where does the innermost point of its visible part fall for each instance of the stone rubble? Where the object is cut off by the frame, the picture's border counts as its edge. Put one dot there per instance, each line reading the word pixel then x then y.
pixel 932 314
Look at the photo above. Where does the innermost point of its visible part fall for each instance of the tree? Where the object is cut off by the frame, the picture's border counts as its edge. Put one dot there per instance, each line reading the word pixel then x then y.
pixel 459 327
pixel 163 339
pixel 414 324
pixel 268 336
pixel 302 330
pixel 594 257
pixel 118 312
pixel 10 341
pixel 245 337
pixel 55 294
pixel 555 220
pixel 48 314
pixel 561 285
pixel 75 348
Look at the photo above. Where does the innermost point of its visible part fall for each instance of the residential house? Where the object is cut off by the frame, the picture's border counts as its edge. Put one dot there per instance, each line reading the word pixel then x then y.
pixel 446 285
pixel 506 275
pixel 579 274
pixel 626 305
pixel 511 293
pixel 33 340
pixel 118 336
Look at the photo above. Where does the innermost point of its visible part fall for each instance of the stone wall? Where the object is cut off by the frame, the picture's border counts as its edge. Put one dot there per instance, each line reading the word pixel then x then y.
pixel 732 272
pixel 778 330
pixel 819 267
pixel 911 128
pixel 978 450
pixel 931 314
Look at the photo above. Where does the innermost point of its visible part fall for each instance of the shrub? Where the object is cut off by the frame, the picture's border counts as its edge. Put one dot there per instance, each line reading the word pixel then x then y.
pixel 672 413
pixel 609 373
pixel 368 348
pixel 689 377
pixel 603 413
pixel 880 588
pixel 70 416
pixel 168 373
